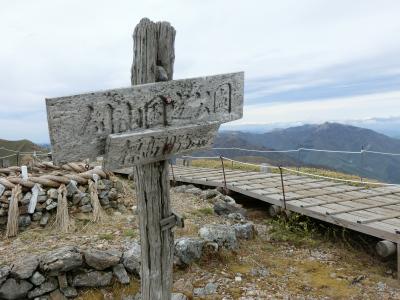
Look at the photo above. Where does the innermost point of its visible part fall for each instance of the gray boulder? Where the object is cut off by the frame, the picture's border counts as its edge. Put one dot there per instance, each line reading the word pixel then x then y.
pixel 121 274
pixel 92 279
pixel 37 216
pixel 188 249
pixel 24 268
pixel 178 296
pixel 244 231
pixel 194 191
pixel 86 208
pixel 223 235
pixel 131 259
pixel 52 193
pixel 24 221
pixel 45 219
pixel 44 288
pixel 4 271
pixel 69 292
pixel 209 194
pixel 101 260
pixel 13 289
pixel 37 278
pixel 61 260
pixel 26 199
pixel 209 289
pixel 223 208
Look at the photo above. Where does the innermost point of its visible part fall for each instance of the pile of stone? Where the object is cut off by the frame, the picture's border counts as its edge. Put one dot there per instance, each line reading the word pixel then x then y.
pixel 58 274
pixel 109 193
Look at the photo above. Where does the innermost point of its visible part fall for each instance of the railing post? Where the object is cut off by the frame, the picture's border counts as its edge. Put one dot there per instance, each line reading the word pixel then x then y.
pixel 172 171
pixel 223 171
pixel 17 158
pixel 283 188
pixel 361 162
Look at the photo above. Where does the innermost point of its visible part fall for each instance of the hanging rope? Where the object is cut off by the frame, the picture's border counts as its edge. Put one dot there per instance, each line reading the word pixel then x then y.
pixel 62 218
pixel 13 212
pixel 98 212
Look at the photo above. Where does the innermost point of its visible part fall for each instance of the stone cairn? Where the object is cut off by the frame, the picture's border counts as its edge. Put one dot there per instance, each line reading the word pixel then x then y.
pixel 35 207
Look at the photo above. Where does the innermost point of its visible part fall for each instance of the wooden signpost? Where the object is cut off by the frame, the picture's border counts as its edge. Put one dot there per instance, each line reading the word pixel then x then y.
pixel 143 126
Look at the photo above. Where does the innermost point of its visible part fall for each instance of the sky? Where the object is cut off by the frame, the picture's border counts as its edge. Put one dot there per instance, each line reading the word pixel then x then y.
pixel 305 61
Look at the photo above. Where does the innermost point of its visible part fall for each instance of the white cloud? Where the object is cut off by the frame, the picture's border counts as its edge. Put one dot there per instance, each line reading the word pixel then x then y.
pixel 51 48
pixel 380 105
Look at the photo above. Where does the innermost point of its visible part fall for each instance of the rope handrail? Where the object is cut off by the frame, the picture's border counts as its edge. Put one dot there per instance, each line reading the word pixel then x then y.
pixel 307 149
pixel 7 156
pixel 308 174
pixel 21 152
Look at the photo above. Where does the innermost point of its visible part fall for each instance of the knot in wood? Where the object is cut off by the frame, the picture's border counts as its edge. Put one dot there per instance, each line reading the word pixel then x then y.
pixel 168 148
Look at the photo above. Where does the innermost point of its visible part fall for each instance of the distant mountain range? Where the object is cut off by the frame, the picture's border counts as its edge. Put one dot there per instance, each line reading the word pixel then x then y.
pixel 389 126
pixel 330 136
pixel 21 146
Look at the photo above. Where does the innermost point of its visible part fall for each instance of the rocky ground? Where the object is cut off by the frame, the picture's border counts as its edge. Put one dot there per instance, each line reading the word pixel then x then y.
pixel 279 262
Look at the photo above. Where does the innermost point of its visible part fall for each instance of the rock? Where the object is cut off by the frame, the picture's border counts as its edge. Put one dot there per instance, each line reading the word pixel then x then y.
pixel 114 204
pixel 131 259
pixel 69 292
pixel 122 208
pixel 119 186
pixel 76 198
pixel 101 260
pixel 56 295
pixel 262 272
pixel 53 205
pixel 53 194
pixel 178 296
pixel 229 200
pixel 44 288
pixel 209 194
pixel 24 221
pixel 85 200
pixel 113 194
pixel 3 220
pixel 194 191
pixel 61 260
pixel 244 231
pixel 209 289
pixel 45 219
pixel 86 208
pixel 104 201
pixel 223 235
pixel 37 278
pixel 104 184
pixel 121 274
pixel 4 271
pixel 188 249
pixel 224 208
pixel 13 289
pixel 26 199
pixel 62 280
pixel 3 212
pixel 37 216
pixel 24 268
pixel 49 201
pixel 236 217
pixel 92 279
pixel 238 279
pixel 41 198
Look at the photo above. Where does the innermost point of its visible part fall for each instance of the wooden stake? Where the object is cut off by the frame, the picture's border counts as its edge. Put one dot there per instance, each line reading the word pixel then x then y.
pixel 153 61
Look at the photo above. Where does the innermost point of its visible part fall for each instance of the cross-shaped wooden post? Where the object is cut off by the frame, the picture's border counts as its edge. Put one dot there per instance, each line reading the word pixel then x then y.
pixel 143 126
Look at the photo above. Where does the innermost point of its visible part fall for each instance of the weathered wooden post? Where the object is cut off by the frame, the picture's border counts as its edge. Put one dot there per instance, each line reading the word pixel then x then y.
pixel 143 126
pixel 153 60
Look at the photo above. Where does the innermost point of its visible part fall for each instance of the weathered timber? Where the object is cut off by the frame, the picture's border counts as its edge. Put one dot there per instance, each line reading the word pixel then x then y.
pixel 152 180
pixel 151 145
pixel 385 248
pixel 79 124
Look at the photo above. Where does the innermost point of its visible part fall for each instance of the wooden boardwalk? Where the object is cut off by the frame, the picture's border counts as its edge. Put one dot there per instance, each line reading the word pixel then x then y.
pixel 373 211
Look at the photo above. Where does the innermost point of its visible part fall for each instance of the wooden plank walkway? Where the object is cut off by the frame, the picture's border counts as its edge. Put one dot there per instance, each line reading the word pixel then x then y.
pixel 373 211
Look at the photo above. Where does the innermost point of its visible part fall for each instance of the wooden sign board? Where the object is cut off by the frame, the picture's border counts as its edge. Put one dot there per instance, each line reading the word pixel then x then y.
pixel 151 145
pixel 80 125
